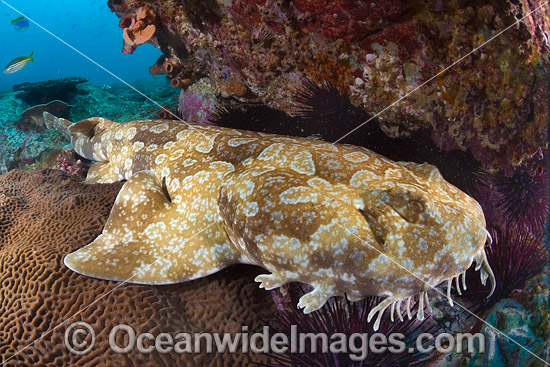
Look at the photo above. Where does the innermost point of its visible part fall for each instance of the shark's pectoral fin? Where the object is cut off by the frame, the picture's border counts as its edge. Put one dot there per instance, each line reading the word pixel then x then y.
pixel 110 258
pixel 103 172
pixel 149 240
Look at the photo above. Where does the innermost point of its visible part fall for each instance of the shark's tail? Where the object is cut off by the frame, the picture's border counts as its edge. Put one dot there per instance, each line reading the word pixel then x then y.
pixel 60 124
pixel 84 135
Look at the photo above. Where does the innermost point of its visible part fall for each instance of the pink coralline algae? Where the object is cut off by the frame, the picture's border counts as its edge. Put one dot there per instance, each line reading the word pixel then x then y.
pixel 68 161
pixel 493 102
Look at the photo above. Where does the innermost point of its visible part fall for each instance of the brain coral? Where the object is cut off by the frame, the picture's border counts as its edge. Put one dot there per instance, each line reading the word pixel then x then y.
pixel 45 215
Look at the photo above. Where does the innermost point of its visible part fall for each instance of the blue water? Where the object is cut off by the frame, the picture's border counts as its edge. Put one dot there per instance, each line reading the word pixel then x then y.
pixel 88 26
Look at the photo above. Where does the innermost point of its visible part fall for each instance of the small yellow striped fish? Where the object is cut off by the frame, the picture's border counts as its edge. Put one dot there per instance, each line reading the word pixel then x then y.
pixel 17 64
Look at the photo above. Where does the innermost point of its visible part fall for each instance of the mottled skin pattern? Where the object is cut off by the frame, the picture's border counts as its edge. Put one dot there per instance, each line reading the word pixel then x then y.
pixel 338 217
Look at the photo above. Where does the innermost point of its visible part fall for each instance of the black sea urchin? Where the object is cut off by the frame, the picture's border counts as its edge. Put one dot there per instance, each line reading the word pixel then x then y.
pixel 255 117
pixel 524 199
pixel 342 317
pixel 323 110
pixel 515 256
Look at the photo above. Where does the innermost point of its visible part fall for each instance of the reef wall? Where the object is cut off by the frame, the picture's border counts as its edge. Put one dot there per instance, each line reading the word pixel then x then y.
pixel 493 101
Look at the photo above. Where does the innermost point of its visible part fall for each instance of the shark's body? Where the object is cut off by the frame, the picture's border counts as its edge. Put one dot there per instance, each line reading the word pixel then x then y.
pixel 338 217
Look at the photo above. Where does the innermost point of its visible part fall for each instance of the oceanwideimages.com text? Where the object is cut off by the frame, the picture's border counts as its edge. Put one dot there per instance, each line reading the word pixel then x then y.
pixel 80 338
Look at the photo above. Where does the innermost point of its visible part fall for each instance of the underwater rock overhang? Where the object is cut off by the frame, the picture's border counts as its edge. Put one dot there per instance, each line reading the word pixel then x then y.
pixel 494 102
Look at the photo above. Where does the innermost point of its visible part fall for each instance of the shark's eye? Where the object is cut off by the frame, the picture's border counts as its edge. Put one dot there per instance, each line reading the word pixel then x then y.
pixel 415 206
pixel 410 209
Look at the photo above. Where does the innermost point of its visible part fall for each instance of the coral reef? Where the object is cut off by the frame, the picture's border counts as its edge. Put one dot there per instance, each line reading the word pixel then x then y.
pixel 19 148
pixel 63 89
pixel 46 215
pixel 493 102
pixel 307 68
pixel 523 318
pixel 25 143
pixel 195 108
pixel 304 68
pixel 68 161
pixel 121 103
pixel 517 323
pixel 535 298
pixel 514 321
pixel 198 102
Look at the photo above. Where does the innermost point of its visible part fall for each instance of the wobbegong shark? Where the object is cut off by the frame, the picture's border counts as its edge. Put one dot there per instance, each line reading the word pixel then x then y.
pixel 341 218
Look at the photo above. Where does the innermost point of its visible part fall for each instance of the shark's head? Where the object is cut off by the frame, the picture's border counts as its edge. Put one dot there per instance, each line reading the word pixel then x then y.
pixel 426 229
